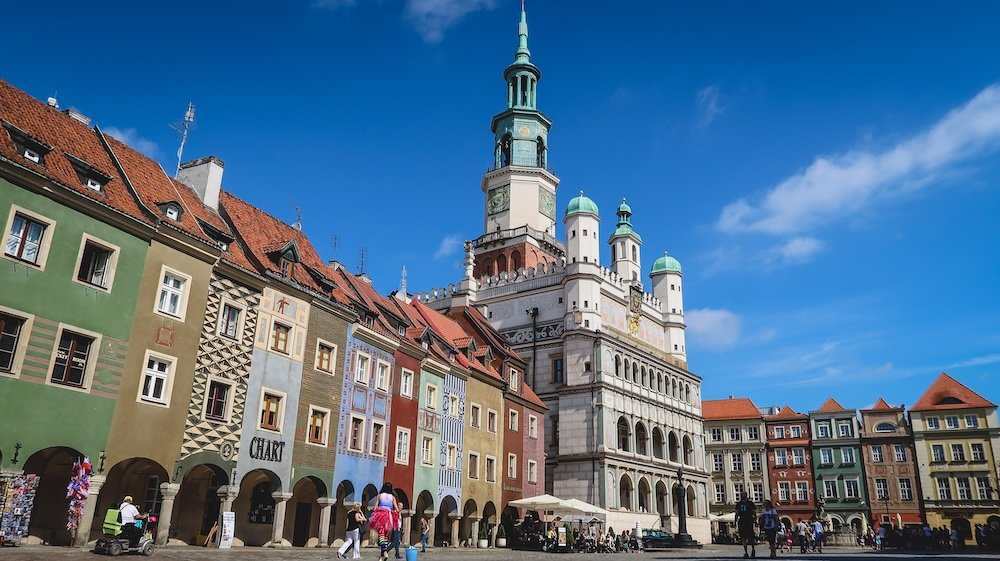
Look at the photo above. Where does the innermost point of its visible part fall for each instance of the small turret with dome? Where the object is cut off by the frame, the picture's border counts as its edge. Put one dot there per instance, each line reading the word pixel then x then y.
pixel 625 243
pixel 665 264
pixel 582 204
pixel 667 281
pixel 582 221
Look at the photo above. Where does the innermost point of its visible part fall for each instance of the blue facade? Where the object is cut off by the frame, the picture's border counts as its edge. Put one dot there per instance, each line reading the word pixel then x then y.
pixel 452 434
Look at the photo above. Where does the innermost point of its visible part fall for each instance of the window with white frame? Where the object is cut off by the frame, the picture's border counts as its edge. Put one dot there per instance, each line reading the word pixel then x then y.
pixel 802 491
pixel 734 434
pixel 933 423
pixel 532 471
pixel 402 455
pixel 882 489
pixel 739 491
pixel 473 467
pixel 978 452
pixel 532 426
pixel 356 439
pixel 753 433
pixel 757 492
pixel 957 452
pixel 905 489
pixel 491 469
pixel 319 426
pixel 720 493
pixel 798 456
pixel 900 452
pixel 944 489
pixel 845 429
pixel 779 432
pixel 971 421
pixel 716 435
pixel 491 421
pixel 173 293
pixel 218 400
pixel 513 420
pixel 830 488
pixel 823 430
pixel 511 466
pixel 272 405
pixel 431 392
pixel 937 452
pixel 737 461
pixel 280 336
pixel 983 488
pixel 382 376
pixel 796 431
pixel 781 456
pixel 951 421
pixel 847 455
pixel 826 456
pixel 451 457
pixel 229 321
pixel 427 451
pixel 406 383
pixel 717 462
pixel 453 405
pixel 378 438
pixel 13 341
pixel 514 380
pixel 96 263
pixel 852 488
pixel 156 378
pixel 28 237
pixel 326 356
pixel 784 491
pixel 755 462
pixel 964 489
pixel 878 454
pixel 74 359
pixel 362 368
pixel 475 415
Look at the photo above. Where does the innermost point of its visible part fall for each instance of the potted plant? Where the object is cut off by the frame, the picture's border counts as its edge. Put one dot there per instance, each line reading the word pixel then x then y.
pixel 501 536
pixel 484 536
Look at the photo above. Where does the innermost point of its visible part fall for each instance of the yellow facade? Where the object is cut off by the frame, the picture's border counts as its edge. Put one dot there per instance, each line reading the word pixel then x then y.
pixel 480 488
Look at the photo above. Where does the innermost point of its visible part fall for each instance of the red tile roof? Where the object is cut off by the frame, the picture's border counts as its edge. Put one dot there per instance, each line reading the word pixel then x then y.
pixel 948 393
pixel 732 408
pixel 831 406
pixel 787 413
pixel 65 135
pixel 883 405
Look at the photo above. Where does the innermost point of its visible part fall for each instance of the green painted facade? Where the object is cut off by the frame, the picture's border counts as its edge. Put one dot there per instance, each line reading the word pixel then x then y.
pixel 37 414
pixel 841 464
pixel 425 477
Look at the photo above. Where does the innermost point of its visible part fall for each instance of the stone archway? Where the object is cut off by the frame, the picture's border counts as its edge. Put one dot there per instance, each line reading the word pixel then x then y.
pixel 644 495
pixel 198 503
pixel 139 478
pixel 662 503
pixel 260 508
pixel 303 514
pixel 467 532
pixel 490 520
pixel 423 508
pixel 49 513
pixel 625 492
pixel 963 526
pixel 444 532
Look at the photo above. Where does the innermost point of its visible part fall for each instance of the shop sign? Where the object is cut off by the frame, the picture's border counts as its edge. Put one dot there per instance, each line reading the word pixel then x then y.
pixel 266 450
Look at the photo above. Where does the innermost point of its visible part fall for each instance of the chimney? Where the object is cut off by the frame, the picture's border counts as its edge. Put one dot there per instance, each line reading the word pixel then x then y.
pixel 75 113
pixel 204 175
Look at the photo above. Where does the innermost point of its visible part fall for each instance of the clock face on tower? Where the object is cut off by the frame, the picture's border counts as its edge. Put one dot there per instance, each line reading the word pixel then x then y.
pixel 546 203
pixel 498 199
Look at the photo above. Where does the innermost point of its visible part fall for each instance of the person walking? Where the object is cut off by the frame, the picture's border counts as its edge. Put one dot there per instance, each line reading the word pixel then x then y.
pixel 352 535
pixel 769 521
pixel 385 518
pixel 803 531
pixel 425 528
pixel 817 534
pixel 746 518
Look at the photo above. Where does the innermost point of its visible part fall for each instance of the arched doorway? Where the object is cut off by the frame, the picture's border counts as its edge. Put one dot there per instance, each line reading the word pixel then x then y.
pixel 688 451
pixel 423 508
pixel 302 512
pixel 625 492
pixel 369 499
pixel 963 526
pixel 641 446
pixel 661 503
pixel 489 520
pixel 508 518
pixel 255 507
pixel 672 446
pixel 197 505
pixel 138 477
pixel 658 443
pixel 692 501
pixel 467 532
pixel 624 435
pixel 442 524
pixel 49 513
pixel 644 495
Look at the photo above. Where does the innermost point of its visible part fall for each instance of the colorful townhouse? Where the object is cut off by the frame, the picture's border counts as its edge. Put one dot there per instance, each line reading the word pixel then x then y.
pixel 790 465
pixel 842 500
pixel 956 438
pixel 74 247
pixel 735 450
pixel 890 466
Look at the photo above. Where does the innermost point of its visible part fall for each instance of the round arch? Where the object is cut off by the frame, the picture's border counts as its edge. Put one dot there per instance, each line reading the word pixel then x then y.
pixel 197 506
pixel 302 514
pixel 138 477
pixel 49 514
pixel 624 434
pixel 673 446
pixel 641 439
pixel 256 503
pixel 645 497
pixel 467 530
pixel 688 450
pixel 625 492
pixel 442 524
pixel 658 444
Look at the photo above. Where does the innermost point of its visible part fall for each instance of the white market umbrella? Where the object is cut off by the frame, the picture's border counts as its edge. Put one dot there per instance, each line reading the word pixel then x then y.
pixel 586 508
pixel 729 517
pixel 541 503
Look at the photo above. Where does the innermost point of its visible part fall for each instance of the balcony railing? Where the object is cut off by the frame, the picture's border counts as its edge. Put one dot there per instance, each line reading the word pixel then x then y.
pixel 513 233
pixel 520 161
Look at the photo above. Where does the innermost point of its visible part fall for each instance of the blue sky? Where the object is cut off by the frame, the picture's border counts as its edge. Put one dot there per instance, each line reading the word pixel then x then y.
pixel 825 171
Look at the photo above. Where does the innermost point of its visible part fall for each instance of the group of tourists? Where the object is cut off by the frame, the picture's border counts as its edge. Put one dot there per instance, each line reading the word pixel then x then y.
pixel 807 535
pixel 385 521
pixel 986 536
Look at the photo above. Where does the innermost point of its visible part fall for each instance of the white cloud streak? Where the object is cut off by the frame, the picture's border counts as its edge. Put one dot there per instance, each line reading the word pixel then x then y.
pixel 709 107
pixel 836 187
pixel 975 361
pixel 432 18
pixel 448 246
pixel 131 137
pixel 717 330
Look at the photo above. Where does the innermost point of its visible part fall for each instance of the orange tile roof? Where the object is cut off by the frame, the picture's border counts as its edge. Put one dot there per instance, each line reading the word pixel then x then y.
pixel 883 405
pixel 732 408
pixel 65 135
pixel 948 393
pixel 787 413
pixel 831 406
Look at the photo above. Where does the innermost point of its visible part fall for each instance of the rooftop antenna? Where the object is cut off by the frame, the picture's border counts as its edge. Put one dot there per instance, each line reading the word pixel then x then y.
pixel 361 263
pixel 298 219
pixel 183 127
pixel 334 242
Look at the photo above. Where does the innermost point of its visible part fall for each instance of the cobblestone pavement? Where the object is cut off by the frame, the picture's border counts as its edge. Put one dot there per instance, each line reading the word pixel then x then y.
pixel 45 553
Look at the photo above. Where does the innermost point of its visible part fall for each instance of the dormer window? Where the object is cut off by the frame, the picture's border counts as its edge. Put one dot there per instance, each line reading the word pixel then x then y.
pixel 172 212
pixel 286 266
pixel 31 149
pixel 402 330
pixel 90 176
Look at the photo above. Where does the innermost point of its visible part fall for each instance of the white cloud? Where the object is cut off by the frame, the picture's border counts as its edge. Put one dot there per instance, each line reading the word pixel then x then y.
pixel 797 250
pixel 131 137
pixel 975 361
pixel 834 187
pixel 448 246
pixel 714 329
pixel 707 101
pixel 432 17
pixel 794 251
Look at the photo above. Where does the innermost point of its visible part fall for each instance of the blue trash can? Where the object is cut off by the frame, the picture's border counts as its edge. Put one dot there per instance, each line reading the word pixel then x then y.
pixel 411 553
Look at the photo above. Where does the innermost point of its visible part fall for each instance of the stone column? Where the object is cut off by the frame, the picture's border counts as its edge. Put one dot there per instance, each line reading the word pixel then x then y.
pixel 278 526
pixel 431 529
pixel 227 496
pixel 476 520
pixel 326 503
pixel 455 519
pixel 405 526
pixel 169 492
pixel 89 509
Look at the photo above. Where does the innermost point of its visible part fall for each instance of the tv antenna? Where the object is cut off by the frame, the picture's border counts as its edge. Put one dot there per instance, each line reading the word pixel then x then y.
pixel 335 242
pixel 361 262
pixel 183 127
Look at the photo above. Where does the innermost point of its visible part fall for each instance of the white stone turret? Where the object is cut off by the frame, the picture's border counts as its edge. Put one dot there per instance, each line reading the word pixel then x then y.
pixel 625 244
pixel 583 286
pixel 666 276
pixel 582 237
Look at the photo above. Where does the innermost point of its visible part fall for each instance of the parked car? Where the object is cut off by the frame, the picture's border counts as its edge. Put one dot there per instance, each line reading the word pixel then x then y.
pixel 656 539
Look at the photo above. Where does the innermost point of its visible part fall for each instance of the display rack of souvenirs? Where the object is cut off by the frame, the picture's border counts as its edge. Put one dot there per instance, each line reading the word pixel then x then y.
pixel 17 497
pixel 77 492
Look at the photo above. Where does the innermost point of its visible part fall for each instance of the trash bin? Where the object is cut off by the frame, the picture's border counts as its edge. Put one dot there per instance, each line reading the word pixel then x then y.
pixel 411 553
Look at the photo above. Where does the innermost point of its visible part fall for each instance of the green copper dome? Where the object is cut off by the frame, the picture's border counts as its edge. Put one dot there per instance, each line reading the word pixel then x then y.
pixel 581 204
pixel 666 264
pixel 624 208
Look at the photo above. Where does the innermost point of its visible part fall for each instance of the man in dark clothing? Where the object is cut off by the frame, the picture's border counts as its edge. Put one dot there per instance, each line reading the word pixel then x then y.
pixel 746 517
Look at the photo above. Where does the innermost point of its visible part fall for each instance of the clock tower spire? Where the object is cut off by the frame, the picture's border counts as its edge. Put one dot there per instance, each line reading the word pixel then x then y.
pixel 519 189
